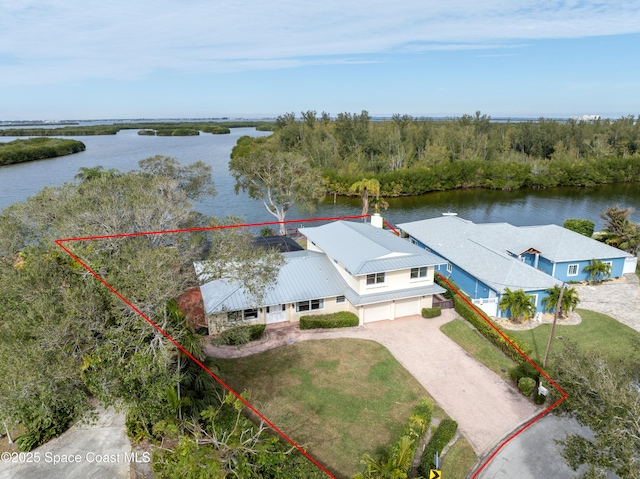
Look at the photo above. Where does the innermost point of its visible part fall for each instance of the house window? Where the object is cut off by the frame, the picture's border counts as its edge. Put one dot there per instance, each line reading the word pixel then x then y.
pixel 314 304
pixel 340 299
pixel 449 268
pixel 419 272
pixel 572 270
pixel 245 315
pixel 376 278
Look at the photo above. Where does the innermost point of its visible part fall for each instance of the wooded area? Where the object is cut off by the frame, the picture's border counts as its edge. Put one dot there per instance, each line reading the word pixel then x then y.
pixel 411 156
pixel 18 151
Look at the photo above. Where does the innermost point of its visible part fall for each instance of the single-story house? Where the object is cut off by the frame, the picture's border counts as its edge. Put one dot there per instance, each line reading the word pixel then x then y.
pixel 347 266
pixel 485 259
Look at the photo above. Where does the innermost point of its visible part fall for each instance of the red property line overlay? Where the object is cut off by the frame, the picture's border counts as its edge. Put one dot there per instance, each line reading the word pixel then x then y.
pixel 539 416
pixel 60 242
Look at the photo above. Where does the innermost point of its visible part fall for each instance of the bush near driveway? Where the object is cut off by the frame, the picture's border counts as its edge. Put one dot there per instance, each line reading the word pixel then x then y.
pixel 341 319
pixel 444 433
pixel 431 312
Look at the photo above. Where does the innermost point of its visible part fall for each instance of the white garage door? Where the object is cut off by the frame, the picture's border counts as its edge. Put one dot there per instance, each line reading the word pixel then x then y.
pixel 376 312
pixel 407 307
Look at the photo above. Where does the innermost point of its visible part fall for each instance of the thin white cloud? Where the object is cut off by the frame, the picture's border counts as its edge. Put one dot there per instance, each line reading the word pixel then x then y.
pixel 64 40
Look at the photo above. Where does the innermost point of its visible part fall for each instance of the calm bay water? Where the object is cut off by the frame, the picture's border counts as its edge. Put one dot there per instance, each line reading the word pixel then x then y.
pixel 124 150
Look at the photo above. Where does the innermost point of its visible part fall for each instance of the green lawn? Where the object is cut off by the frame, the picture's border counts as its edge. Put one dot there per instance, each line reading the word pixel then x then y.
pixel 595 332
pixel 481 349
pixel 341 398
pixel 458 460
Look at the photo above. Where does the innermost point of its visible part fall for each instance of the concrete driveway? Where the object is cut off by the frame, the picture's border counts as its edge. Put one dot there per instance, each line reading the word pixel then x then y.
pixel 619 299
pixel 485 407
pixel 98 451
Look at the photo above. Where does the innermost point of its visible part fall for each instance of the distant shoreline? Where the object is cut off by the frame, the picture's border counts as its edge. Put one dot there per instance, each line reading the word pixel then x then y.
pixel 21 151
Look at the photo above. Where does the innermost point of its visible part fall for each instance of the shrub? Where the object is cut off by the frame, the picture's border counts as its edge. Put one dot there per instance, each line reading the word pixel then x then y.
pixel 241 334
pixel 539 398
pixel 341 319
pixel 524 370
pixel 526 385
pixel 480 322
pixel 584 227
pixel 431 312
pixel 441 437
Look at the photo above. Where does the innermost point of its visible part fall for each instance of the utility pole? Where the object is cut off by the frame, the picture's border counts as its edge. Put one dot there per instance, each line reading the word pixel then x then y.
pixel 553 328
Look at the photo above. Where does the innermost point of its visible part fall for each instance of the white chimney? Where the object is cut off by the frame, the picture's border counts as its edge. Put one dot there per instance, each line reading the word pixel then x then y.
pixel 377 221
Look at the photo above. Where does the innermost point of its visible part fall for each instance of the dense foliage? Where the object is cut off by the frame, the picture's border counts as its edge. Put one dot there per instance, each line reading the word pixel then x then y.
pixel 604 395
pixel 441 437
pixel 481 324
pixel 18 151
pixel 584 227
pixel 241 334
pixel 411 156
pixel 218 127
pixel 341 319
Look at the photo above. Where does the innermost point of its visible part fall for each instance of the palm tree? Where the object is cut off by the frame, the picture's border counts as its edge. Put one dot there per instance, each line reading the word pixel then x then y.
pixel 85 174
pixel 396 466
pixel 597 270
pixel 518 303
pixel 570 300
pixel 368 187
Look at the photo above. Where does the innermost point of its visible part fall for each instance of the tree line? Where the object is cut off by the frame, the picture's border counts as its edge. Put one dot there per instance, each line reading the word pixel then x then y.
pixel 18 151
pixel 215 127
pixel 411 156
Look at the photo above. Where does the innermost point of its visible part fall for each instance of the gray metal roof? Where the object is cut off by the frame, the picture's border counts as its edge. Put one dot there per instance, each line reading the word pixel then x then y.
pixel 364 249
pixel 463 244
pixel 305 275
pixel 362 299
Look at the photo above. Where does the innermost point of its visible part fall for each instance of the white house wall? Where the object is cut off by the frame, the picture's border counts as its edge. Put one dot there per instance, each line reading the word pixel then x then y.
pixel 394 280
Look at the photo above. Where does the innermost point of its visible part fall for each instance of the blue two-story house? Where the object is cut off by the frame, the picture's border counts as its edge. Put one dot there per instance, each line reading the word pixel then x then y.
pixel 485 259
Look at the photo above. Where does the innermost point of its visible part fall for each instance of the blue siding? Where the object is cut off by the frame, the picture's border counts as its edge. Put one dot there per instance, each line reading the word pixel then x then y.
pixel 540 295
pixel 545 265
pixel 469 284
pixel 562 269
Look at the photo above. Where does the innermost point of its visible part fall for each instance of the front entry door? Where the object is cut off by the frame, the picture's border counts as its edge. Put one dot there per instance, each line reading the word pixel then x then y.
pixel 276 313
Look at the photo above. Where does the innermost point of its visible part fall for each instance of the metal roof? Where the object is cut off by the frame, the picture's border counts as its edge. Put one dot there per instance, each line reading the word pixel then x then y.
pixel 362 299
pixel 460 242
pixel 364 249
pixel 305 275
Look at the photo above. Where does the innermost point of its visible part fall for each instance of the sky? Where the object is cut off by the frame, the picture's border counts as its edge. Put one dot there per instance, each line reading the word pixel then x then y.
pixel 83 59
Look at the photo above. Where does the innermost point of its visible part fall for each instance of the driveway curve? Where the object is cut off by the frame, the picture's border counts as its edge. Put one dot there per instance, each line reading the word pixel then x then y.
pixel 485 406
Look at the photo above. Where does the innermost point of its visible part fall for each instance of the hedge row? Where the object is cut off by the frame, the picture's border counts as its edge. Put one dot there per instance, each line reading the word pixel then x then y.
pixel 480 323
pixel 239 335
pixel 431 312
pixel 419 421
pixel 444 433
pixel 341 319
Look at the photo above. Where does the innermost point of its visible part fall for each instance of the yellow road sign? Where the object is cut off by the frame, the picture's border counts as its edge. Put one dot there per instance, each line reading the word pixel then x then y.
pixel 435 474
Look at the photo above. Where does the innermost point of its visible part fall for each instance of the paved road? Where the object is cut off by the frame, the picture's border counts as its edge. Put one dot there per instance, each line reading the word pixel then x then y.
pixel 620 300
pixel 97 451
pixel 485 407
pixel 533 454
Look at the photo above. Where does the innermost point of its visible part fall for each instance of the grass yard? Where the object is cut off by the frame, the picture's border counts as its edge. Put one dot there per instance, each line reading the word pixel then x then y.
pixel 481 349
pixel 458 460
pixel 596 331
pixel 340 397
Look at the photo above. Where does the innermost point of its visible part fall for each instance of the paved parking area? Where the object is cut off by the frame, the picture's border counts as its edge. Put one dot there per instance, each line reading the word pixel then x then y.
pixel 96 451
pixel 620 300
pixel 485 407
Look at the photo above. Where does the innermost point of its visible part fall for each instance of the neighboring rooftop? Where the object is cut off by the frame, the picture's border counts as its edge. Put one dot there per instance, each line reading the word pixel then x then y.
pixel 459 241
pixel 283 244
pixel 364 249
